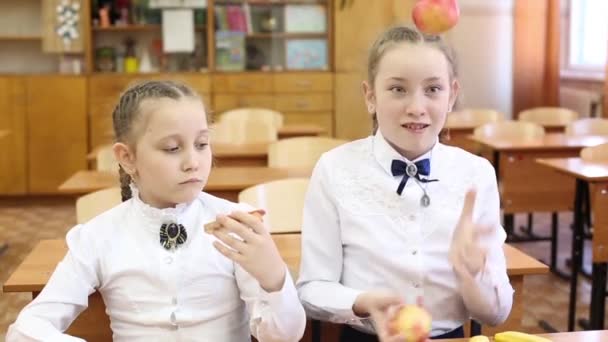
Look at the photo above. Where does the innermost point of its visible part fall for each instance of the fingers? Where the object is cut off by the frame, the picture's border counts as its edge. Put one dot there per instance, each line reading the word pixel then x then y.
pixel 469 205
pixel 230 240
pixel 234 226
pixel 227 252
pixel 253 221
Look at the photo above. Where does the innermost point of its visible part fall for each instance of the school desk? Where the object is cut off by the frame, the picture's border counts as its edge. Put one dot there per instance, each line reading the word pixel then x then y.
pixel 224 182
pixel 4 133
pixel 457 135
pixel 93 323
pixel 591 182
pixel 526 186
pixel 578 336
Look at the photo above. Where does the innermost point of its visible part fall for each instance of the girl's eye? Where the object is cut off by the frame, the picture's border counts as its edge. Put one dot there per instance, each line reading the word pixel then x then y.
pixel 434 89
pixel 201 146
pixel 171 149
pixel 397 89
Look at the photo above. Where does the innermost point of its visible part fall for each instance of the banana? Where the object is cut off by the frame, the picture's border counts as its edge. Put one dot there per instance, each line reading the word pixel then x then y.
pixel 479 338
pixel 514 336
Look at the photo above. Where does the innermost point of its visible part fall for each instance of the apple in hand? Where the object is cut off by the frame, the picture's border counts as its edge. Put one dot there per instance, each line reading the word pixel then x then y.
pixel 413 322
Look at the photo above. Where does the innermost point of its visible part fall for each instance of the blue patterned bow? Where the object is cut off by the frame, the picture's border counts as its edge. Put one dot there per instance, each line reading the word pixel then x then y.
pixel 422 167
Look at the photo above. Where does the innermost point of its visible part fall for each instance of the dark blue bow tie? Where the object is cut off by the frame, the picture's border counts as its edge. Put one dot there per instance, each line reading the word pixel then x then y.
pixel 421 167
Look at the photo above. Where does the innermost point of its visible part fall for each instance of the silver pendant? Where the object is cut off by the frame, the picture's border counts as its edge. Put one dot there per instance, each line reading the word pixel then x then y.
pixel 425 200
pixel 411 170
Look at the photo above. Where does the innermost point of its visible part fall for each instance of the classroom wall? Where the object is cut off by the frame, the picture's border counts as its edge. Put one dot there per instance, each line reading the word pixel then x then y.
pixel 483 41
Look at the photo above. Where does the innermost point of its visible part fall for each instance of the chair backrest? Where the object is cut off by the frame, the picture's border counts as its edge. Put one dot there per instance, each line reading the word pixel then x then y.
pixel 473 117
pixel 105 159
pixel 300 152
pixel 243 132
pixel 95 203
pixel 510 130
pixel 598 153
pixel 283 201
pixel 248 114
pixel 547 116
pixel 588 126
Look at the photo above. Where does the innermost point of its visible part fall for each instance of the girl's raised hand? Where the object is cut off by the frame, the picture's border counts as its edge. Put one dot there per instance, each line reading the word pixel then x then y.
pixel 467 254
pixel 245 240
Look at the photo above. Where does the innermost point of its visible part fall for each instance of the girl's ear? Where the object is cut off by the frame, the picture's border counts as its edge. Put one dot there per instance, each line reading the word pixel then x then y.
pixel 370 97
pixel 125 157
pixel 454 91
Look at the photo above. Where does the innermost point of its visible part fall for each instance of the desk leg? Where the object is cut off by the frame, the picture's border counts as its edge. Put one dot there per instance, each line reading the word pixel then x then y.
pixel 598 296
pixel 577 247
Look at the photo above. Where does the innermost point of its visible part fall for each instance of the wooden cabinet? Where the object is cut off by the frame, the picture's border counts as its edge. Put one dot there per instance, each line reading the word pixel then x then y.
pixel 105 90
pixel 13 171
pixel 302 97
pixel 57 130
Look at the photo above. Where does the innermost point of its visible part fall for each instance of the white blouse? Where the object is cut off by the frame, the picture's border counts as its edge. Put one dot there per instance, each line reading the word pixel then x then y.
pixel 358 234
pixel 191 294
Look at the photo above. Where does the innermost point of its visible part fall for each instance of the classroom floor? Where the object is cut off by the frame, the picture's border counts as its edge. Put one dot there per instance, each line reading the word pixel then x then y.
pixel 23 224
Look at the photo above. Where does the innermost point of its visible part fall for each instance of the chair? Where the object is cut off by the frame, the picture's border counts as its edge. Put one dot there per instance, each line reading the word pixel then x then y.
pixel 243 132
pixel 283 201
pixel 248 114
pixel 95 203
pixel 588 126
pixel 548 116
pixel 597 153
pixel 105 159
pixel 473 117
pixel 509 130
pixel 300 152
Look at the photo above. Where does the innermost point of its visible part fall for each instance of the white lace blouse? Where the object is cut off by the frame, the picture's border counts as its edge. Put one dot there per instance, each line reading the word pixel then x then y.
pixel 151 294
pixel 359 234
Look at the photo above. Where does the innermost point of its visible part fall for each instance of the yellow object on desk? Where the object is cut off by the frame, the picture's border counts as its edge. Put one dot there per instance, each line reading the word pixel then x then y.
pixel 479 338
pixel 515 336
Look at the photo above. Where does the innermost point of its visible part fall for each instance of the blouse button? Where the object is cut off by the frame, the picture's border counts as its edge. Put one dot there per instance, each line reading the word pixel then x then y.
pixel 414 252
pixel 174 301
pixel 169 260
pixel 416 285
pixel 173 319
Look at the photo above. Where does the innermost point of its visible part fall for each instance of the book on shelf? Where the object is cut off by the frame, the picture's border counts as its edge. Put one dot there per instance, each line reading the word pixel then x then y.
pixel 305 19
pixel 233 18
pixel 306 54
pixel 230 50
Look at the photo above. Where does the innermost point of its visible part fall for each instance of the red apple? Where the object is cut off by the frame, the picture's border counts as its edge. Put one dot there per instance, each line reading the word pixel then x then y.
pixel 435 16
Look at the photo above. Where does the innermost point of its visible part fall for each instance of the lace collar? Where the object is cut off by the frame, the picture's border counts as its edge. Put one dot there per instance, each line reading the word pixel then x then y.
pixel 152 218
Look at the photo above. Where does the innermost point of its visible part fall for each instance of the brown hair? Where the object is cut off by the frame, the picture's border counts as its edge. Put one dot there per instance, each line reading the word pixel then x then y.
pixel 403 34
pixel 127 112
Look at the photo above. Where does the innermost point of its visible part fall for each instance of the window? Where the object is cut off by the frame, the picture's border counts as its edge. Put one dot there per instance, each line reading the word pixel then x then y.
pixel 588 32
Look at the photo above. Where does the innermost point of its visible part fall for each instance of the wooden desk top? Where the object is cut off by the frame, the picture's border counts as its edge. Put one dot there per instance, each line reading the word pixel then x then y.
pixel 296 130
pixel 520 263
pixel 220 179
pixel 467 126
pixel 588 171
pixel 576 336
pixel 36 269
pixel 4 133
pixel 551 141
